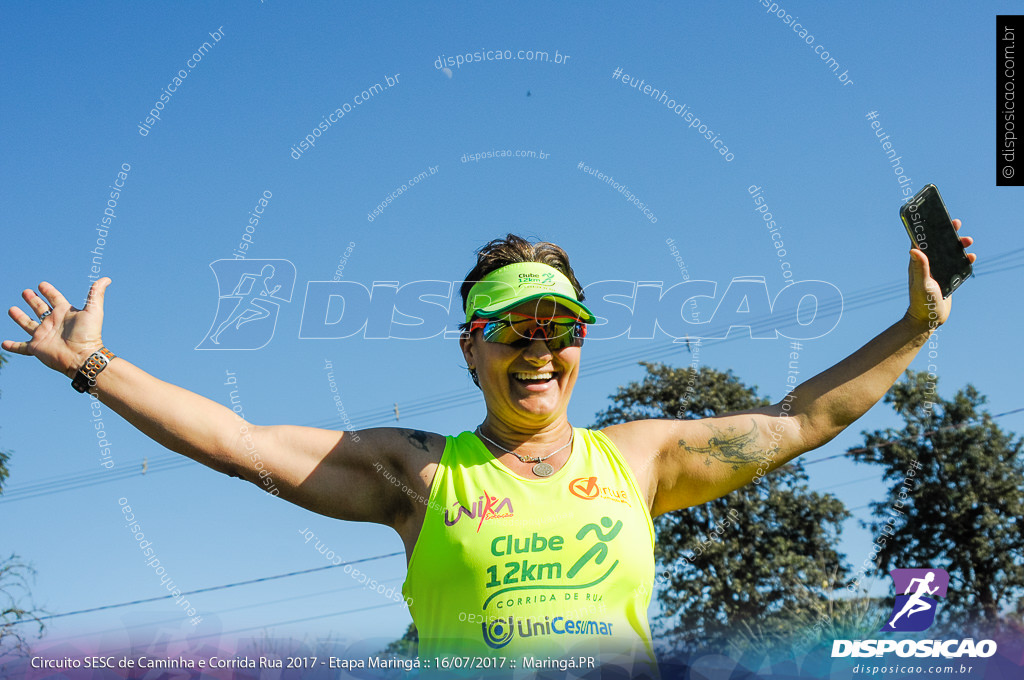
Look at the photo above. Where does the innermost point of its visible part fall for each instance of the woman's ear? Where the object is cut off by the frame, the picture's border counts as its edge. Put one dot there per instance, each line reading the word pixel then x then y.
pixel 466 344
pixel 468 347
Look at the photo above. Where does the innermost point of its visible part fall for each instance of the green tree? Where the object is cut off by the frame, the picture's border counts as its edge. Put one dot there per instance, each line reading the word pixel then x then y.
pixel 962 507
pixel 770 567
pixel 404 647
pixel 15 576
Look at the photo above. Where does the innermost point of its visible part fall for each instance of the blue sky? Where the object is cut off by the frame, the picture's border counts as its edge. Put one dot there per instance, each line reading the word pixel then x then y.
pixel 79 80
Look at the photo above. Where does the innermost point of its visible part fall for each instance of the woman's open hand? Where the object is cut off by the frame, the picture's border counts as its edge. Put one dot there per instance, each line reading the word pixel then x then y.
pixel 65 338
pixel 927 307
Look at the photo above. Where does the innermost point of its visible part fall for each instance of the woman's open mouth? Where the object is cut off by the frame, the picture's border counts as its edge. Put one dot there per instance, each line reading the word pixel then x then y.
pixel 534 378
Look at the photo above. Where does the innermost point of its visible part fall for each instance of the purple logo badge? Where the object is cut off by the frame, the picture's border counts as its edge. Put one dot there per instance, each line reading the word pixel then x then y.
pixel 916 603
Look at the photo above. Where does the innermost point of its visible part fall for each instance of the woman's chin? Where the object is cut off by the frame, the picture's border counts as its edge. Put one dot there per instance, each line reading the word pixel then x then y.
pixel 540 404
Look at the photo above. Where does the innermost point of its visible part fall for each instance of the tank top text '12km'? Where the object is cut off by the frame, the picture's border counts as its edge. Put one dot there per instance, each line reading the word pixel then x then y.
pixel 555 567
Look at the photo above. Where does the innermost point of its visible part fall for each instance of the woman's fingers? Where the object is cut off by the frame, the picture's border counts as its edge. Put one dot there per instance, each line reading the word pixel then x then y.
pixel 16 347
pixel 51 293
pixel 27 323
pixel 35 303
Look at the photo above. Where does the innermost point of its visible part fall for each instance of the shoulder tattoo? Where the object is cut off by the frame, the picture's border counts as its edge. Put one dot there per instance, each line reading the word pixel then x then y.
pixel 418 438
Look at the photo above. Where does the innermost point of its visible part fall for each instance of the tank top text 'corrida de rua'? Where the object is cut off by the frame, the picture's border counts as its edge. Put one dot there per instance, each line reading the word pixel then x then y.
pixel 555 567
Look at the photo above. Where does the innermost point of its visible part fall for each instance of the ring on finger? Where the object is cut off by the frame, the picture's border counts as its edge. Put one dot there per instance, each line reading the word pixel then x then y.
pixel 45 314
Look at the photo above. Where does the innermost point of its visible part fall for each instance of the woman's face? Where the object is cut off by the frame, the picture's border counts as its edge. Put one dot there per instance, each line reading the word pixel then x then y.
pixel 530 386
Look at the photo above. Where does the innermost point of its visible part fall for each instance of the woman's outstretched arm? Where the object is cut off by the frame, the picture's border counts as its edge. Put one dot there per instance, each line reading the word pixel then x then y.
pixel 333 473
pixel 694 461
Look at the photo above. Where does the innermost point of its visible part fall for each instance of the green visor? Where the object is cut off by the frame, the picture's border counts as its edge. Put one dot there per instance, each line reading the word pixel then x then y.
pixel 514 284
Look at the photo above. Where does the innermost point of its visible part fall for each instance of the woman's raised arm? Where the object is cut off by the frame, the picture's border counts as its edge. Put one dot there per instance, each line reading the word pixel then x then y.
pixel 333 473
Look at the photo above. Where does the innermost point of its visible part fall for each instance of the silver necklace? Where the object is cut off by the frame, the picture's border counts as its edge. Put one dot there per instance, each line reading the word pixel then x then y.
pixel 541 469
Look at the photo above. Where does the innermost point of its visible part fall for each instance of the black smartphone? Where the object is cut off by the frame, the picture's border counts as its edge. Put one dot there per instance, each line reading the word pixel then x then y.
pixel 932 231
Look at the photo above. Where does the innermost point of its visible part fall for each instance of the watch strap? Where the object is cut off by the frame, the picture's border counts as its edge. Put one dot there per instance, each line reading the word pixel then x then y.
pixel 92 367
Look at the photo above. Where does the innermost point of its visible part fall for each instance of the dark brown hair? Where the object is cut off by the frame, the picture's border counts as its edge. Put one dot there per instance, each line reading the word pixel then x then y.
pixel 512 249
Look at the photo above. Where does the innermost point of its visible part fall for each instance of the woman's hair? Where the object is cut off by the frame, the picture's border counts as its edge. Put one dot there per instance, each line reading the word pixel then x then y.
pixel 510 250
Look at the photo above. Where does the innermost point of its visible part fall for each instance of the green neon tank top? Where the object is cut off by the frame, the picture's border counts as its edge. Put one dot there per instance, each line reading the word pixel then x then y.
pixel 557 567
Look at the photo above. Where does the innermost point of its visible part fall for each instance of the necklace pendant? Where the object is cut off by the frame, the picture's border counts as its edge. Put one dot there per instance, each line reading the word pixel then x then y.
pixel 543 469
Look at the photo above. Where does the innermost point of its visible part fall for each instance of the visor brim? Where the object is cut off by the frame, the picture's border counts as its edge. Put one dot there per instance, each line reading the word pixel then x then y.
pixel 578 309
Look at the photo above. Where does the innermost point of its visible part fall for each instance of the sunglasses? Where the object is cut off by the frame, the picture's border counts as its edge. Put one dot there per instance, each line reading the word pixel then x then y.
pixel 519 330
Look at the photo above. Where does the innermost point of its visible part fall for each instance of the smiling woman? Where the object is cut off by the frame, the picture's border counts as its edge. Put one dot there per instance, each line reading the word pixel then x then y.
pixel 580 500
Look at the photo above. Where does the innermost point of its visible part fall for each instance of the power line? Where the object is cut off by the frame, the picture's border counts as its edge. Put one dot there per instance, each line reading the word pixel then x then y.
pixel 192 638
pixel 212 588
pixel 218 612
pixel 287 623
pixel 927 433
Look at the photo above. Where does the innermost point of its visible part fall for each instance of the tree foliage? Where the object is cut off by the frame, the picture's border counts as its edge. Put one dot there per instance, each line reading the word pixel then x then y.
pixel 962 508
pixel 405 647
pixel 761 558
pixel 18 622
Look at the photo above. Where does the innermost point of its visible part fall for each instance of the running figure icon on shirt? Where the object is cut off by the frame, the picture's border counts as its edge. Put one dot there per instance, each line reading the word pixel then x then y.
pixel 599 551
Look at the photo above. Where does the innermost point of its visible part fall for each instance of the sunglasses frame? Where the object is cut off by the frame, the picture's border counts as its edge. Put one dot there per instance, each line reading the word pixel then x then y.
pixel 578 332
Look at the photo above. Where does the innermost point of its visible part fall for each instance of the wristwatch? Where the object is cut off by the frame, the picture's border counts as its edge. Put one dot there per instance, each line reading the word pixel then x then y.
pixel 86 375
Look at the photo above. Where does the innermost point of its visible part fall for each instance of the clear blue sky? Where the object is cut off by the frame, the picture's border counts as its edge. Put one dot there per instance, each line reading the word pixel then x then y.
pixel 78 81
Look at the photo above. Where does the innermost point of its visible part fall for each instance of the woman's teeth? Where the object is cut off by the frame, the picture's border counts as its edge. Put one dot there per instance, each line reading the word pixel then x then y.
pixel 533 377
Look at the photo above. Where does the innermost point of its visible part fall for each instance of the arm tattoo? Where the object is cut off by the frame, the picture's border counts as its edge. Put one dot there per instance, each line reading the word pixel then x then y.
pixel 417 438
pixel 727 446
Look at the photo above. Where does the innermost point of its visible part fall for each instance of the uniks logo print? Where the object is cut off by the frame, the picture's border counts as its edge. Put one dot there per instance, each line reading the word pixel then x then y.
pixel 486 507
pixel 916 603
pixel 250 295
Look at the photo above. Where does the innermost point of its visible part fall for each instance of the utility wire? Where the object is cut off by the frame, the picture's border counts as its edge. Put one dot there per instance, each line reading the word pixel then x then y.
pixel 218 612
pixel 927 433
pixel 210 588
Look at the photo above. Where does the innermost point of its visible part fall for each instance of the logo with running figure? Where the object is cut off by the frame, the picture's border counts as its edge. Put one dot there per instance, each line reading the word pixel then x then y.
pixel 547 279
pixel 916 590
pixel 250 295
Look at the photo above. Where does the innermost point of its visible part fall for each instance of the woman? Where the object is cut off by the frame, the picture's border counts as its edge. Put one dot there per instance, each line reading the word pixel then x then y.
pixel 525 537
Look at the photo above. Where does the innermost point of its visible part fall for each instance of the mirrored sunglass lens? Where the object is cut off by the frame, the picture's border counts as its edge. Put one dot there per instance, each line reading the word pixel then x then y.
pixel 501 332
pixel 545 330
pixel 558 336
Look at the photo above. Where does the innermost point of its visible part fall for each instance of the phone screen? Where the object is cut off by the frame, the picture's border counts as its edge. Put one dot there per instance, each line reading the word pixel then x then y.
pixel 932 231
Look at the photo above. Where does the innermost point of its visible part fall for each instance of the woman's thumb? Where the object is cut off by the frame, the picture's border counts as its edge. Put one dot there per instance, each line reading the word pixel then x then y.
pixel 919 263
pixel 96 294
